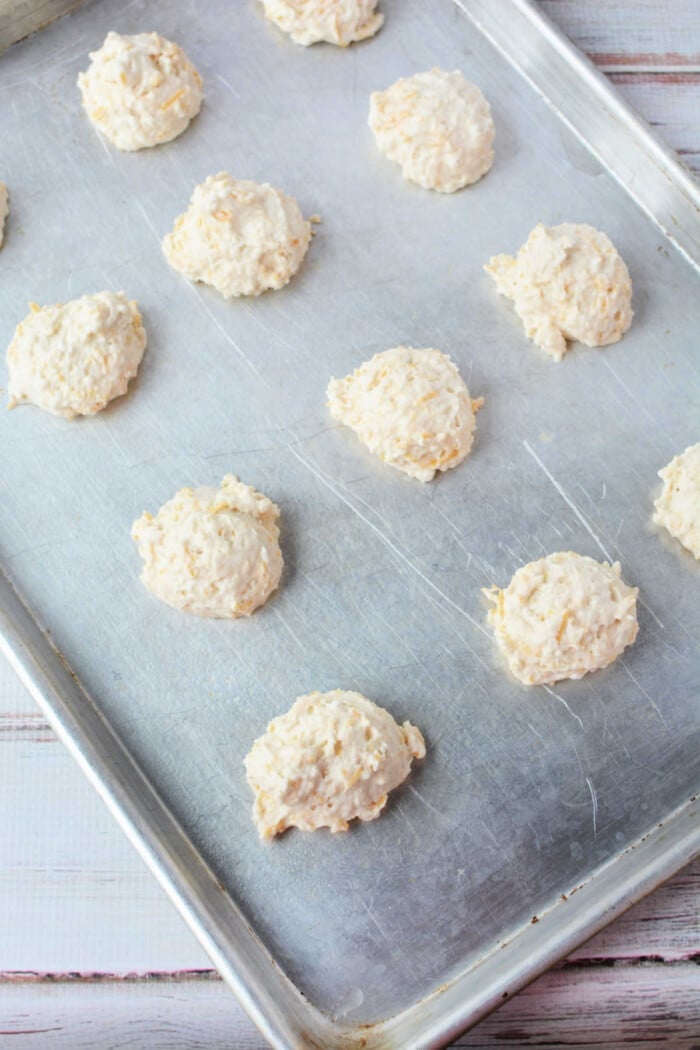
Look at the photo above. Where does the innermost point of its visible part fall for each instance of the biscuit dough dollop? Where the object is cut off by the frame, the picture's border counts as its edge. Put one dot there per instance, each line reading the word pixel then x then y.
pixel 241 237
pixel 410 407
pixel 678 506
pixel 332 758
pixel 212 552
pixel 140 90
pixel 4 210
pixel 340 22
pixel 437 126
pixel 563 616
pixel 72 358
pixel 567 282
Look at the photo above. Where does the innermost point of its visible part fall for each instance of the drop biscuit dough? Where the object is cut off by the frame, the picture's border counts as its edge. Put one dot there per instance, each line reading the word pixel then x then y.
pixel 140 91
pixel 563 616
pixel 332 758
pixel 678 506
pixel 340 22
pixel 437 126
pixel 72 358
pixel 567 283
pixel 240 237
pixel 409 407
pixel 212 552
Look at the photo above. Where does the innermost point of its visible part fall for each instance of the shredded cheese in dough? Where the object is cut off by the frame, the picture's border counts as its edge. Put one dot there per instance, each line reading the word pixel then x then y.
pixel 212 552
pixel 563 616
pixel 334 757
pixel 241 237
pixel 567 282
pixel 140 91
pixel 409 407
pixel 437 126
pixel 678 506
pixel 340 22
pixel 72 358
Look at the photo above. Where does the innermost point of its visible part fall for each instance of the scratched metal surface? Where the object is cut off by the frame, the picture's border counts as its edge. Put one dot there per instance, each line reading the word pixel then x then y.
pixel 524 792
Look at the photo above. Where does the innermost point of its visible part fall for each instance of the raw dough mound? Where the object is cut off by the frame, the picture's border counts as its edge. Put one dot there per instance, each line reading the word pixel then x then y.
pixel 241 237
pixel 140 90
pixel 72 358
pixel 678 506
pixel 339 22
pixel 567 282
pixel 563 616
pixel 333 757
pixel 437 126
pixel 410 407
pixel 212 552
pixel 4 210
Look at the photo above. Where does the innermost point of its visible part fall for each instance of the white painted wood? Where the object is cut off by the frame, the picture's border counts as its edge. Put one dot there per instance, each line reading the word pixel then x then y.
pixel 652 51
pixel 74 895
pixel 645 1007
pixel 672 106
pixel 637 33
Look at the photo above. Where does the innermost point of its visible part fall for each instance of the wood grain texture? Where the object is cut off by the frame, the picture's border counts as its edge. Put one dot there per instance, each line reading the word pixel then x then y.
pixel 641 1006
pixel 654 33
pixel 651 51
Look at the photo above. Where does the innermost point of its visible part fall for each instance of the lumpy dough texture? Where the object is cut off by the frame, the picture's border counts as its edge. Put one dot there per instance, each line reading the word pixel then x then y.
pixel 563 616
pixel 332 758
pixel 140 90
pixel 678 506
pixel 4 210
pixel 241 237
pixel 72 358
pixel 567 282
pixel 340 22
pixel 437 126
pixel 410 407
pixel 212 552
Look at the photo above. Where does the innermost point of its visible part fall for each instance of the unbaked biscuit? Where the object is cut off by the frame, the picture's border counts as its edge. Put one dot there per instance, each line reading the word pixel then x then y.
pixel 563 616
pixel 409 407
pixel 72 358
pixel 678 506
pixel 340 22
pixel 140 90
pixel 212 552
pixel 567 282
pixel 437 126
pixel 240 237
pixel 334 757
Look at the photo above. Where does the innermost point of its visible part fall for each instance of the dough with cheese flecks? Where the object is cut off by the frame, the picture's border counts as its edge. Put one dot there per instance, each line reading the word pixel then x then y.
pixel 340 22
pixel 334 757
pixel 140 91
pixel 437 126
pixel 409 407
pixel 678 506
pixel 72 358
pixel 212 552
pixel 563 616
pixel 567 283
pixel 241 237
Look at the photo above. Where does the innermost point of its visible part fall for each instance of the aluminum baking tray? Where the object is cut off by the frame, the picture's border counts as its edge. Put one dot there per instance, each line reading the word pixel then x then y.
pixel 406 930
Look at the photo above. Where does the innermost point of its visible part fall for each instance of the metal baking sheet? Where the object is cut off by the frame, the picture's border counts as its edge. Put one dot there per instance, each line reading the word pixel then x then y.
pixel 405 930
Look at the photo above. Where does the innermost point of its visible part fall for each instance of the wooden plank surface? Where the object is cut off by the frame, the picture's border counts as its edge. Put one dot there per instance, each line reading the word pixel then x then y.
pixel 91 952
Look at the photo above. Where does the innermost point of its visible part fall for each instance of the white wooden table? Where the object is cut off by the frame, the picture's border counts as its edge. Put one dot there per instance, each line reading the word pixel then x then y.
pixel 92 954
